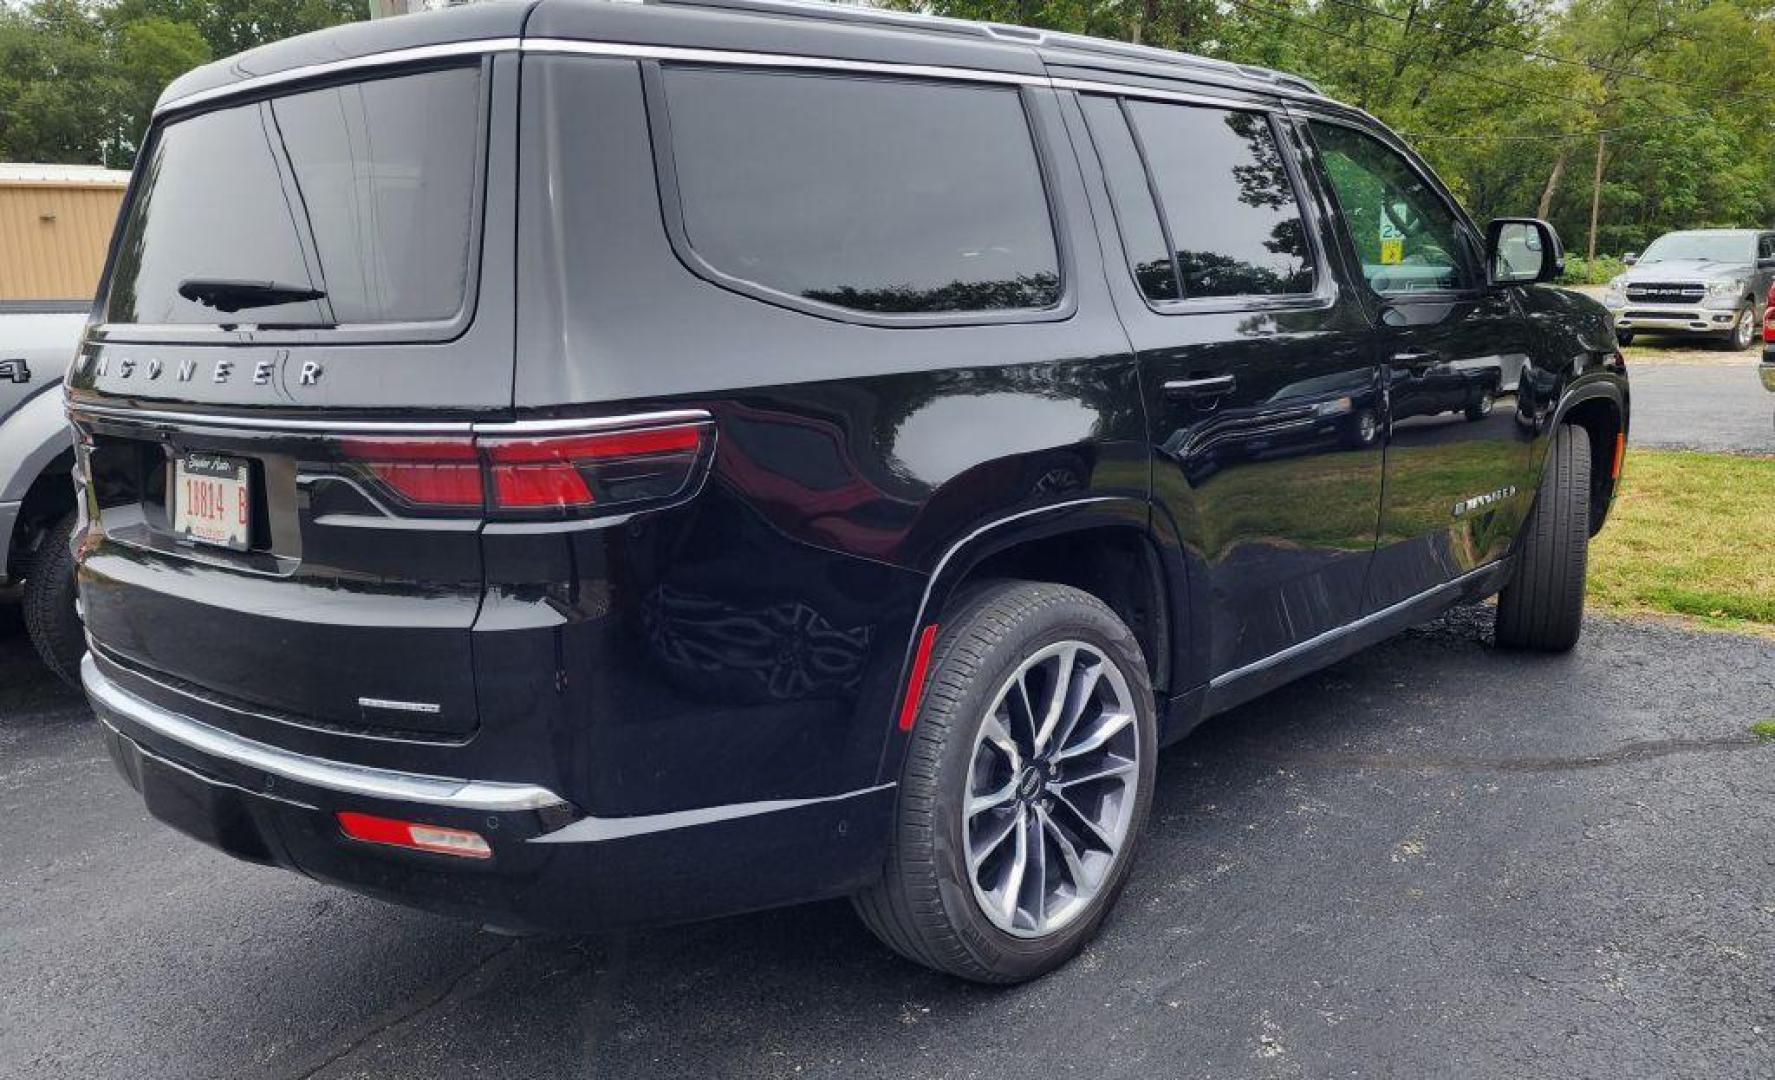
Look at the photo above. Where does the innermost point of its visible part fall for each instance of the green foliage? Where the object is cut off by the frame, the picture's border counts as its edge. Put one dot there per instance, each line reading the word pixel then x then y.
pixel 79 78
pixel 1599 271
pixel 1507 99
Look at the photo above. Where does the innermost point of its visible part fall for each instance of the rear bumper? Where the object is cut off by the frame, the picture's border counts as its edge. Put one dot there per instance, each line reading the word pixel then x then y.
pixel 552 868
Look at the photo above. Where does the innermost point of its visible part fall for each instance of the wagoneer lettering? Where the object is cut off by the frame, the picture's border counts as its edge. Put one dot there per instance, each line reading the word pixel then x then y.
pixel 756 463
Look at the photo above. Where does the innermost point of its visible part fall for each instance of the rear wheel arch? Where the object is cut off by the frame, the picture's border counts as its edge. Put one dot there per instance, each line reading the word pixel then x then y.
pixel 1112 547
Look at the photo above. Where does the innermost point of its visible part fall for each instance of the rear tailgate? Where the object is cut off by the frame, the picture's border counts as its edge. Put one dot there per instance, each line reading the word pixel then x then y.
pixel 295 275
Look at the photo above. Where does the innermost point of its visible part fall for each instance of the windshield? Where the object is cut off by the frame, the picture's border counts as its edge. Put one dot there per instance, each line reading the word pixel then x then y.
pixel 347 205
pixel 1708 246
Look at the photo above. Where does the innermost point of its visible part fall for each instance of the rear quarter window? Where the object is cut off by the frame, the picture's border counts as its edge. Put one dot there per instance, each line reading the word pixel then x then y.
pixel 890 198
pixel 364 192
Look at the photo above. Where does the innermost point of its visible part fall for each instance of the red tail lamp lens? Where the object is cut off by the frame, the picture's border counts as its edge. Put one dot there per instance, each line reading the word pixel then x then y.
pixel 413 834
pixel 1769 316
pixel 558 473
pixel 426 472
pixel 578 471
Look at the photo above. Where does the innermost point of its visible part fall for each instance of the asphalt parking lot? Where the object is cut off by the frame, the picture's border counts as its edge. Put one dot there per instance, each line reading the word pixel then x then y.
pixel 1433 859
pixel 1702 406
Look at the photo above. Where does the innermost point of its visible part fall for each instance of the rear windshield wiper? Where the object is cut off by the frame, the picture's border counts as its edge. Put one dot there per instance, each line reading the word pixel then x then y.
pixel 225 294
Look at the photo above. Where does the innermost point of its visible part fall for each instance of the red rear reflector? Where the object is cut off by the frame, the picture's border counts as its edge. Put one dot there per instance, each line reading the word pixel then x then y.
pixel 412 834
pixel 1620 455
pixel 921 663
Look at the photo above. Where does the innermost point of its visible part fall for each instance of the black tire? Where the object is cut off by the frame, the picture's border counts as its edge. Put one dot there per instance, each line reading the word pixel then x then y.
pixel 925 907
pixel 1542 608
pixel 1482 408
pixel 51 618
pixel 1624 337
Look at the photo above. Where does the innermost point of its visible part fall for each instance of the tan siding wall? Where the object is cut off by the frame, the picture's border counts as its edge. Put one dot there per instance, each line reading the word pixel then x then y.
pixel 53 239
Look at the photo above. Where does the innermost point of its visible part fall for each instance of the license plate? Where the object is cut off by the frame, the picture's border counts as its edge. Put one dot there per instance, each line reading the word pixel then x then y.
pixel 212 500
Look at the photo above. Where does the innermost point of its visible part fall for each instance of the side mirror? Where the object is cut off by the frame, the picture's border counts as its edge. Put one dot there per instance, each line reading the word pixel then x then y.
pixel 1522 251
pixel 1630 258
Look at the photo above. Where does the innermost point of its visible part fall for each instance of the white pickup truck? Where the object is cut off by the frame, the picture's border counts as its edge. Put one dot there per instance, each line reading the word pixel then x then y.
pixel 38 339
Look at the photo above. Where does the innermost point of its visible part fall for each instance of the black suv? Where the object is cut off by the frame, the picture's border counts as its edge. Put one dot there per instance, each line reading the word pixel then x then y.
pixel 572 464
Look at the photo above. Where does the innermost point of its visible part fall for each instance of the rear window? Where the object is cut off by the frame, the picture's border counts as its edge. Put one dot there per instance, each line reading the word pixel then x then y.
pixel 878 195
pixel 362 193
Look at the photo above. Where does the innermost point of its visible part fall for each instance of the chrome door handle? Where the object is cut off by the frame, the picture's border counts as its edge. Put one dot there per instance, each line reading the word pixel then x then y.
pixel 1209 386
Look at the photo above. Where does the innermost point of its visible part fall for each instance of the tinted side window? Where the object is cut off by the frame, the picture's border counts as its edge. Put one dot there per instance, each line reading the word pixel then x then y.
pixel 1404 233
pixel 1765 246
pixel 1229 206
pixel 878 195
pixel 1136 216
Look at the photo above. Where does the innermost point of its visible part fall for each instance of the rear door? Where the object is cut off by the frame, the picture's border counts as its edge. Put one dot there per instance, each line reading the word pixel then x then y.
pixel 309 301
pixel 1256 369
pixel 1453 352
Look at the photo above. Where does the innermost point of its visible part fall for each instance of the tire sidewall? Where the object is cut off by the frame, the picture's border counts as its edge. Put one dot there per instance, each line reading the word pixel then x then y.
pixel 1008 955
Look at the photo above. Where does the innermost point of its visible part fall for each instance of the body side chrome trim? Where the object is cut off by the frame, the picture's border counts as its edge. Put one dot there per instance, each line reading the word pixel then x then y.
pixel 1303 647
pixel 592 830
pixel 348 779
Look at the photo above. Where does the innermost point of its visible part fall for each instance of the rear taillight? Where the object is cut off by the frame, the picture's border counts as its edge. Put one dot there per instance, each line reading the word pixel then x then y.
pixel 437 473
pixel 1769 316
pixel 536 475
pixel 577 472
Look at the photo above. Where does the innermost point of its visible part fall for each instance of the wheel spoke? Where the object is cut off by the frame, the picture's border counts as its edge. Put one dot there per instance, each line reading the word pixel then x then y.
pixel 1091 826
pixel 1082 690
pixel 993 731
pixel 977 853
pixel 1117 767
pixel 1075 868
pixel 1058 695
pixel 981 803
pixel 1108 726
pixel 1038 867
pixel 1019 866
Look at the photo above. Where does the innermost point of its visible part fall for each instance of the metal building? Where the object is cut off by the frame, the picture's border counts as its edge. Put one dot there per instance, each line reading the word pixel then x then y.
pixel 55 225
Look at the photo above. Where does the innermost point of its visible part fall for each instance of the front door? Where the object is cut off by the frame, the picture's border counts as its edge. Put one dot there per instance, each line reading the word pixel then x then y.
pixel 1452 352
pixel 1260 384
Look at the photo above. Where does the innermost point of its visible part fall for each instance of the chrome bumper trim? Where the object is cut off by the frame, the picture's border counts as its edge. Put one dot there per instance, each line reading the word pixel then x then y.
pixel 109 700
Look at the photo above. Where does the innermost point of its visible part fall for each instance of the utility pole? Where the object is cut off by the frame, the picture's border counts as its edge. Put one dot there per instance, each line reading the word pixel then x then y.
pixel 1596 193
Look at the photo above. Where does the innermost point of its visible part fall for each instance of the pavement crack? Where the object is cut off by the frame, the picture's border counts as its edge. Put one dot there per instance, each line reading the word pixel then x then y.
pixel 1630 753
pixel 414 1010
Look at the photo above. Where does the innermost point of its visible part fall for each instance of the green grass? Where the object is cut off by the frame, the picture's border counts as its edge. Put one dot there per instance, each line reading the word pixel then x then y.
pixel 1764 729
pixel 1691 535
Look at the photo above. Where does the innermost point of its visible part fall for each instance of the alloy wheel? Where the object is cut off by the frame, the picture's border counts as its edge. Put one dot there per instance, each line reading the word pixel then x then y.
pixel 1052 785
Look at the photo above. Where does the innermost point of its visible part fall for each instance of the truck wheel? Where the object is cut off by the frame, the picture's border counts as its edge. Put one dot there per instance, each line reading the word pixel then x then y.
pixel 1542 607
pixel 1482 408
pixel 50 615
pixel 1027 781
pixel 1744 329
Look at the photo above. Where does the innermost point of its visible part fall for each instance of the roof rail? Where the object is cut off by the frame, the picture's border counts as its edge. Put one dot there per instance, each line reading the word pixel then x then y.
pixel 840 11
